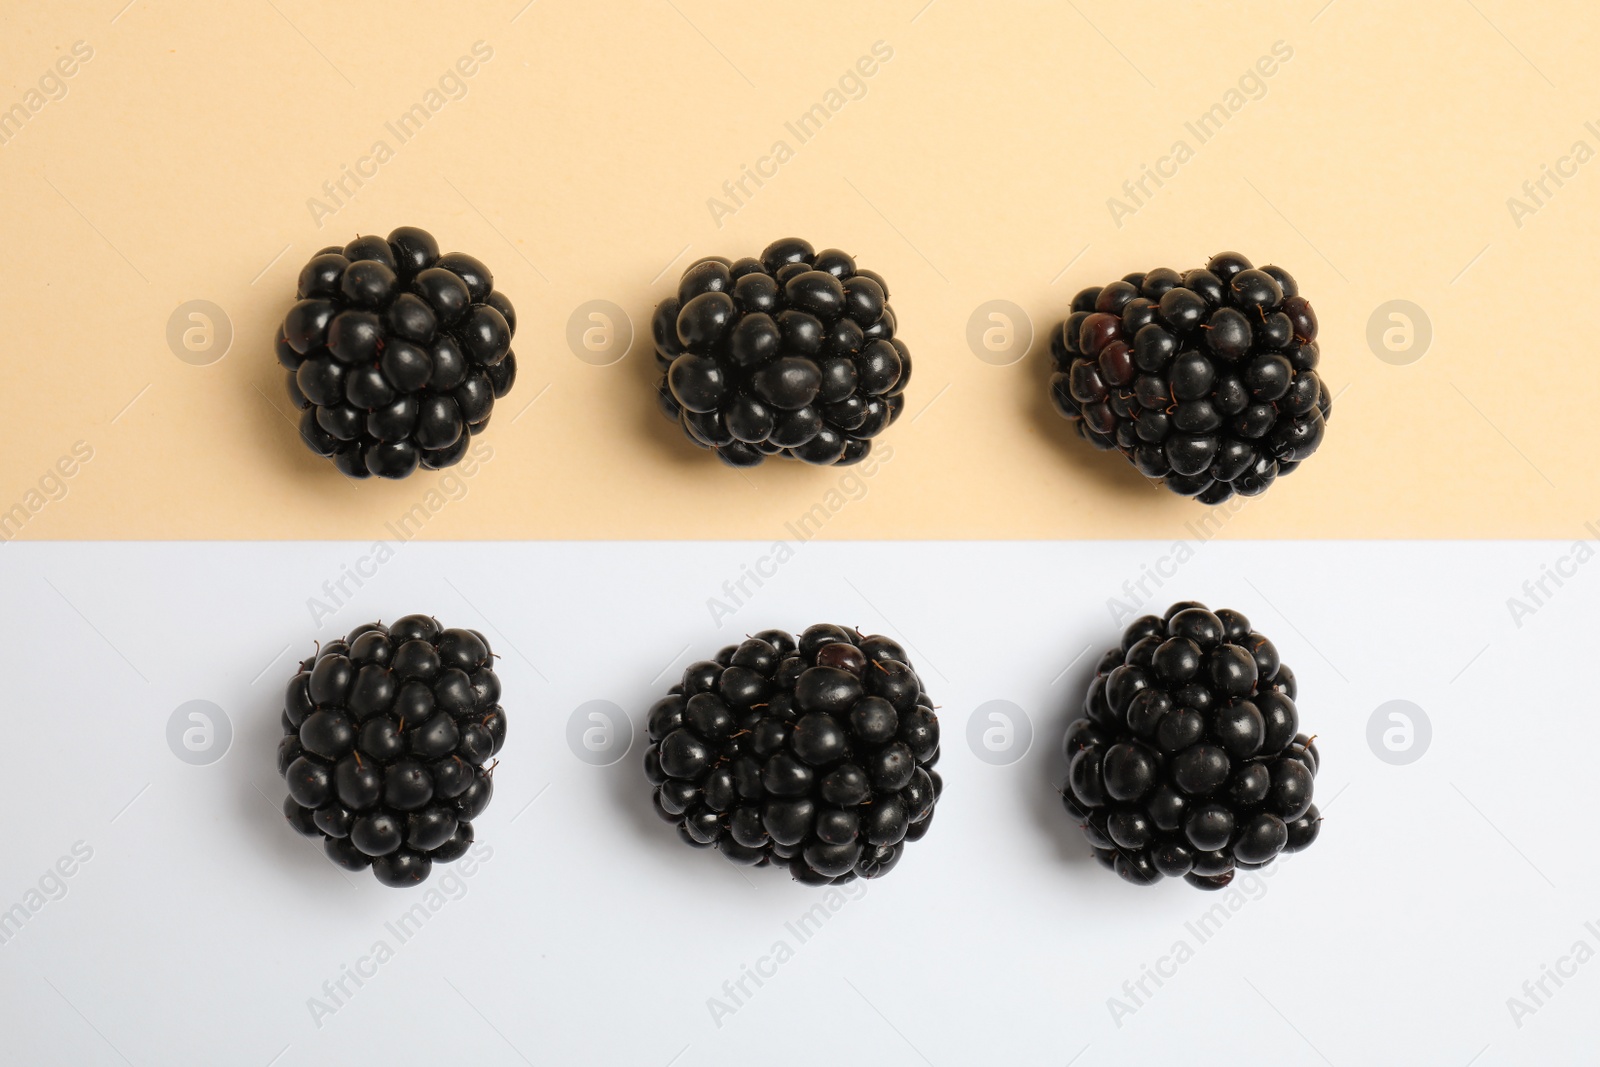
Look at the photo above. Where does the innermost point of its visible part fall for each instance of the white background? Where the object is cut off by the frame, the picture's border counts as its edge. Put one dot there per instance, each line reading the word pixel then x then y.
pixel 202 925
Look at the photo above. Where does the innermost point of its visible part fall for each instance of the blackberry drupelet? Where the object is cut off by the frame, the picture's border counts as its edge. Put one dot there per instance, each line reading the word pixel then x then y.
pixel 396 354
pixel 386 737
pixel 814 754
pixel 1190 761
pixel 792 354
pixel 1205 380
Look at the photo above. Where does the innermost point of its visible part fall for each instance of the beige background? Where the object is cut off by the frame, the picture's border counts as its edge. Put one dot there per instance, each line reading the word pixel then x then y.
pixel 1376 164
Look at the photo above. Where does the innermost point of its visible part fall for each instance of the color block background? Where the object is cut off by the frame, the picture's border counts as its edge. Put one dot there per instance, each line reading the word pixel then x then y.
pixel 978 162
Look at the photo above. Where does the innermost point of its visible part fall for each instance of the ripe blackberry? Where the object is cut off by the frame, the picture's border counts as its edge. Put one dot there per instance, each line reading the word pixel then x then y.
pixel 792 354
pixel 395 354
pixel 1190 761
pixel 386 733
pixel 1205 380
pixel 815 754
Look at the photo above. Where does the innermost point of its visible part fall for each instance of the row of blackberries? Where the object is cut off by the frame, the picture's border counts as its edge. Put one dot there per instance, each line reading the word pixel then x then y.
pixel 815 753
pixel 1205 380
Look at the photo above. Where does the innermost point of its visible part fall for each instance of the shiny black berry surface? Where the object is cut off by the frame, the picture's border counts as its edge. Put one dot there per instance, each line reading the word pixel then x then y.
pixel 395 354
pixel 1205 380
pixel 1189 761
pixel 387 739
pixel 815 754
pixel 792 354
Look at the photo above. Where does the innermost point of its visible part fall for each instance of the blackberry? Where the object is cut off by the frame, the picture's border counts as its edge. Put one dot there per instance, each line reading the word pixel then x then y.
pixel 386 734
pixel 1189 760
pixel 1205 380
pixel 395 354
pixel 814 754
pixel 792 354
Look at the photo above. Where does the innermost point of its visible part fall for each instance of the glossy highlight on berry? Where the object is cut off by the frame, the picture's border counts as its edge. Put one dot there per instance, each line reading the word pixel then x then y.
pixel 789 354
pixel 395 354
pixel 387 737
pixel 813 753
pixel 1189 761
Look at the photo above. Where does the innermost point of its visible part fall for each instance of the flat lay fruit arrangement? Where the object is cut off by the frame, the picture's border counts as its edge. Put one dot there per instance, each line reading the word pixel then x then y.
pixel 815 753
